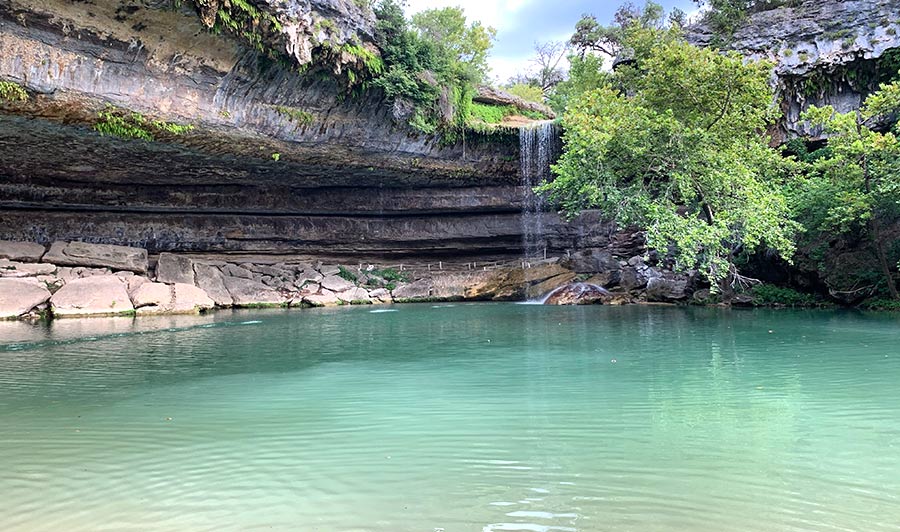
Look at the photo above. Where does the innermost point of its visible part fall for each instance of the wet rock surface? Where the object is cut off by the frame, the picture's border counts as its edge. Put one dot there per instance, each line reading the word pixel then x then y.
pixel 578 294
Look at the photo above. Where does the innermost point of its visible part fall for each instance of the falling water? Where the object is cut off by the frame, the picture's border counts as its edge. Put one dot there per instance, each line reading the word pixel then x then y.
pixel 539 146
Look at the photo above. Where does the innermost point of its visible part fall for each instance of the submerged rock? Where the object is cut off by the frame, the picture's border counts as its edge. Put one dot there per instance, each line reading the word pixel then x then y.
pixel 18 297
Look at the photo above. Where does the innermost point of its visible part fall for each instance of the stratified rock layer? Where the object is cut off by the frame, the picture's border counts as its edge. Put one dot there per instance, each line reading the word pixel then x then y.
pixel 276 161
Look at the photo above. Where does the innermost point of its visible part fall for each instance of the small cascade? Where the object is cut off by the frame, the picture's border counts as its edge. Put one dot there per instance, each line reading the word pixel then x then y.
pixel 539 146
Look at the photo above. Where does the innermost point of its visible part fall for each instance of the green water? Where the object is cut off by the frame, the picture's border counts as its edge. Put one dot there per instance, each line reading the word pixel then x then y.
pixel 454 418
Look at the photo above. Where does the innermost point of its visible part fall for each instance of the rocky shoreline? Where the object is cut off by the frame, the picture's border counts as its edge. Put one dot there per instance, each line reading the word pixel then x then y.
pixel 78 279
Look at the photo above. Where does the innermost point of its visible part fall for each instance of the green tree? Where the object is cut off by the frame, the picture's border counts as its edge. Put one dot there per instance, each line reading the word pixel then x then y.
pixel 592 36
pixel 464 44
pixel 858 183
pixel 586 73
pixel 431 65
pixel 675 146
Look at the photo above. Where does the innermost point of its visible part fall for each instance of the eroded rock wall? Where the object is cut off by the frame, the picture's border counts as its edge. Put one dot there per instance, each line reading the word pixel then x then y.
pixel 825 52
pixel 277 160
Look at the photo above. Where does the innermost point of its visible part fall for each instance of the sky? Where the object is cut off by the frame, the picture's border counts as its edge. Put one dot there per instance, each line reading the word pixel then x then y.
pixel 520 23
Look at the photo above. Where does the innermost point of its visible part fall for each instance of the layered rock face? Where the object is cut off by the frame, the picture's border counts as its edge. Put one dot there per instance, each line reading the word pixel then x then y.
pixel 276 161
pixel 826 52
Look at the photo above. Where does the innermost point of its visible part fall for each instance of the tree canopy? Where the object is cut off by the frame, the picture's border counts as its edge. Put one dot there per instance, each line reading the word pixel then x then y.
pixel 431 63
pixel 856 183
pixel 674 144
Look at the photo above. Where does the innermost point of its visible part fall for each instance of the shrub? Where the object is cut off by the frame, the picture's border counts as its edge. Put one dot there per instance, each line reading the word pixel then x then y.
pixel 130 125
pixel 12 92
pixel 347 275
pixel 770 295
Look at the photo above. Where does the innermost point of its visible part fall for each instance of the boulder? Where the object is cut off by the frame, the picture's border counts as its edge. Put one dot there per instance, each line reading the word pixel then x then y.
pixel 210 279
pixel 248 293
pixel 543 288
pixel 102 295
pixel 592 261
pixel 134 282
pixel 156 295
pixel 355 295
pixel 308 276
pixel 67 274
pixel 328 269
pixel 324 299
pixel 661 289
pixel 24 269
pixel 418 290
pixel 491 96
pixel 512 284
pixel 172 268
pixel 190 299
pixel 452 286
pixel 98 255
pixel 336 284
pixel 636 274
pixel 159 298
pixel 18 297
pixel 21 251
pixel 310 288
pixel 578 294
pixel 381 295
pixel 232 270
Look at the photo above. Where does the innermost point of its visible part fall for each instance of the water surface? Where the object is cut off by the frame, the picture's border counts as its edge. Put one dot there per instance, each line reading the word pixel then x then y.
pixel 488 417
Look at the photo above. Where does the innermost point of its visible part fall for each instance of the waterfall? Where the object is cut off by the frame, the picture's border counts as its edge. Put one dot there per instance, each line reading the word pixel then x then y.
pixel 539 146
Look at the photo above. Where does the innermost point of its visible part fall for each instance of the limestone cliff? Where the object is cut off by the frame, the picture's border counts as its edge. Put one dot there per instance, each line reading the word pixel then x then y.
pixel 250 152
pixel 826 52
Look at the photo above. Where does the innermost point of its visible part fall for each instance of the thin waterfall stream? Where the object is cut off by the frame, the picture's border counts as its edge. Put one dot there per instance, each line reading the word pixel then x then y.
pixel 540 145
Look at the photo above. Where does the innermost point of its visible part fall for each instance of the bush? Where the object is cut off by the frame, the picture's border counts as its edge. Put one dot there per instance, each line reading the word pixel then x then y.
pixel 529 93
pixel 347 275
pixel 12 92
pixel 767 295
pixel 891 305
pixel 390 274
pixel 490 114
